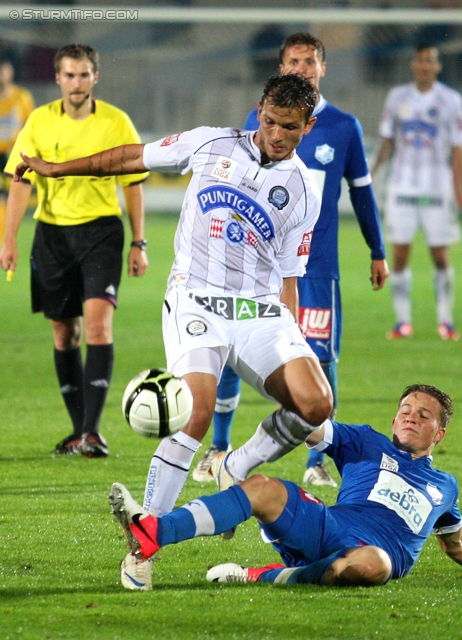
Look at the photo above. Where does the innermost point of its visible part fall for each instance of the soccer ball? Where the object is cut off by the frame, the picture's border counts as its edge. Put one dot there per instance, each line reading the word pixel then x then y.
pixel 156 404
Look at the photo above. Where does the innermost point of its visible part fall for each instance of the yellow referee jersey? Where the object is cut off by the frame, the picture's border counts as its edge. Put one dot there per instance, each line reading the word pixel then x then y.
pixel 51 134
pixel 15 108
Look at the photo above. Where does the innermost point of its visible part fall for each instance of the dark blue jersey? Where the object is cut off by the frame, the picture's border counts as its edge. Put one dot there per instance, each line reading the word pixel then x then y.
pixel 387 498
pixel 334 150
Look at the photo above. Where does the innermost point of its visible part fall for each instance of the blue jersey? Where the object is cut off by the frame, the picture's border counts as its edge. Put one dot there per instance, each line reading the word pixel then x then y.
pixel 334 150
pixel 387 498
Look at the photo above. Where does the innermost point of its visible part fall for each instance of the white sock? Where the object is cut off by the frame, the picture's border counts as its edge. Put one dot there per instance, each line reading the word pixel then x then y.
pixel 259 449
pixel 401 284
pixel 444 279
pixel 168 472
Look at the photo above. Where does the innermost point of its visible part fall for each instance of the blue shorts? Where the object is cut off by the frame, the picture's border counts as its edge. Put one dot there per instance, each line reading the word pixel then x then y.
pixel 321 316
pixel 307 531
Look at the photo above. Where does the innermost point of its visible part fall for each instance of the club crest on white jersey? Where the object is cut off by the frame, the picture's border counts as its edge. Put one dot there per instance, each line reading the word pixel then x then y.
pixel 406 501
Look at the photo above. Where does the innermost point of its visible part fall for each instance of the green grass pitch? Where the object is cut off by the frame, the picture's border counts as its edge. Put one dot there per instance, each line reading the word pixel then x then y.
pixel 60 549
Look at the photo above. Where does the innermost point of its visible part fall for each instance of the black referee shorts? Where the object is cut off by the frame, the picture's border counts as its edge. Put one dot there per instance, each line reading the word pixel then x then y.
pixel 74 263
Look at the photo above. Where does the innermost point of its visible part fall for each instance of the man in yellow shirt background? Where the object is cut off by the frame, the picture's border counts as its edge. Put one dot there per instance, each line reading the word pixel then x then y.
pixel 76 260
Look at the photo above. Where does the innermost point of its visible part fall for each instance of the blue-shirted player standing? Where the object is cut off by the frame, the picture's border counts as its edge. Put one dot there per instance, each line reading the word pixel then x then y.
pixel 333 150
pixel 390 501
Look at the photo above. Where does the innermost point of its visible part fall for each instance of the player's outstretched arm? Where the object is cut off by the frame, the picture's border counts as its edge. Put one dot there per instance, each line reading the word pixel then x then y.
pixel 121 160
pixel 451 543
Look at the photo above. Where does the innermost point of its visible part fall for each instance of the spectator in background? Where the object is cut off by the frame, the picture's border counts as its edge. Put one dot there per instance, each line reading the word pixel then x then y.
pixel 16 104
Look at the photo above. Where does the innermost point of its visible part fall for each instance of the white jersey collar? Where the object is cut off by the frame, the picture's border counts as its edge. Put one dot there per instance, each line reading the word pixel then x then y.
pixel 321 103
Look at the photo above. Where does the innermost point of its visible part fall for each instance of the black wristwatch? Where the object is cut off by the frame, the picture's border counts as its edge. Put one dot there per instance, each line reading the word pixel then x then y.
pixel 141 244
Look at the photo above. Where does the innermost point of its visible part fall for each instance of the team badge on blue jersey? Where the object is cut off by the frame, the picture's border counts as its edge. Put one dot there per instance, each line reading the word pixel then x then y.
pixel 279 197
pixel 435 494
pixel 324 154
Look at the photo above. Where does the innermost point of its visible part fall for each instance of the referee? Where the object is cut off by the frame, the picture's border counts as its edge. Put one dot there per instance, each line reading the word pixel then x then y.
pixel 76 260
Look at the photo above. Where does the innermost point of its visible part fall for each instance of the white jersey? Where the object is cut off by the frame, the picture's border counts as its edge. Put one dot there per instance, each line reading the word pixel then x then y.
pixel 243 226
pixel 425 126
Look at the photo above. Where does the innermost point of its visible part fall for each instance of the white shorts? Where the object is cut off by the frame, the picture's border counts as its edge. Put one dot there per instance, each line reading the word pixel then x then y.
pixel 436 214
pixel 254 338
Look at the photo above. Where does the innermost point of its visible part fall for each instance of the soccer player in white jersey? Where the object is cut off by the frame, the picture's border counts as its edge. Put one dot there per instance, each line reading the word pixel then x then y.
pixel 421 128
pixel 243 239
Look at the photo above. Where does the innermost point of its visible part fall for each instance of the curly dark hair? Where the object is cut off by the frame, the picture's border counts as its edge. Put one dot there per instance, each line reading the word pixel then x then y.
pixel 77 52
pixel 290 91
pixel 444 400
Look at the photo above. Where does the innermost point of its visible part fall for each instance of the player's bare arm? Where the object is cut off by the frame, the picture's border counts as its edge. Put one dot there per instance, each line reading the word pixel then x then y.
pixel 122 160
pixel 451 544
pixel 134 205
pixel 16 208
pixel 379 274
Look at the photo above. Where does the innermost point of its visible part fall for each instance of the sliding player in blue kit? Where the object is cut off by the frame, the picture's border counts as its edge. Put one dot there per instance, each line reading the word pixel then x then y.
pixel 333 150
pixel 390 501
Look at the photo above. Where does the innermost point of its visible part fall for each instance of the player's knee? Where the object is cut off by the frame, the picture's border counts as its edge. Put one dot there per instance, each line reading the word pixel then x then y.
pixel 98 332
pixel 317 407
pixel 67 335
pixel 366 566
pixel 267 496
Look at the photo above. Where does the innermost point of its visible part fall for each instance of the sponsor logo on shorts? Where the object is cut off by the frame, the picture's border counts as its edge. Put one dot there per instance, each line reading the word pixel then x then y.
pixel 305 248
pixel 110 290
pixel 237 308
pixel 196 328
pixel 166 142
pixel 399 496
pixel 224 197
pixel 324 154
pixel 279 197
pixel 420 201
pixel 217 230
pixel 224 168
pixel 315 323
pixel 389 463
